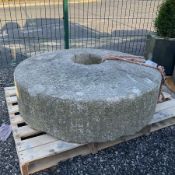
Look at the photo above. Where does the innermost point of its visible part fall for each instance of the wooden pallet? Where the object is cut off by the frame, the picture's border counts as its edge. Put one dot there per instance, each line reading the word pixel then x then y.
pixel 37 150
pixel 170 83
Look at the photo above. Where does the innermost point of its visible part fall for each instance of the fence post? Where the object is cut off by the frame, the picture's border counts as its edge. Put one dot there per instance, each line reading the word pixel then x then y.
pixel 66 24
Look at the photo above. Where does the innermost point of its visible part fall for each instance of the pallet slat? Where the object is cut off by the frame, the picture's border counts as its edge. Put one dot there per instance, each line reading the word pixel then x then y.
pixel 36 141
pixel 10 92
pixel 38 152
pixel 165 105
pixel 47 162
pixel 9 88
pixel 16 119
pixel 25 131
pixel 46 150
pixel 13 109
pixel 163 115
pixel 11 100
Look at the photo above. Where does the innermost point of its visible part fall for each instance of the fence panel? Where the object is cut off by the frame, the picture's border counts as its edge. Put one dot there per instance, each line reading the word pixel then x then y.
pixel 33 26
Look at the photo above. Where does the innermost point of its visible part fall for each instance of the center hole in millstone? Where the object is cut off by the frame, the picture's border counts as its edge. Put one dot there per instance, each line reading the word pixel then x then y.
pixel 87 59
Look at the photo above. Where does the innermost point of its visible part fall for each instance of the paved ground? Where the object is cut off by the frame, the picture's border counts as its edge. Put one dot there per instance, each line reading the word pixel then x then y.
pixel 148 155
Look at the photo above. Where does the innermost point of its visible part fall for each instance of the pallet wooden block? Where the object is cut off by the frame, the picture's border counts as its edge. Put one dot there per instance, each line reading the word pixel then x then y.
pixel 37 150
pixel 170 83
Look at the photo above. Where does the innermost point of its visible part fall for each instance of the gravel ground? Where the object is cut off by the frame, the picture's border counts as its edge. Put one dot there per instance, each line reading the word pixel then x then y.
pixel 147 155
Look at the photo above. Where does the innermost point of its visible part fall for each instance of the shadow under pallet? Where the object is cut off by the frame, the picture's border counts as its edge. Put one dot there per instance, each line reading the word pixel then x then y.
pixel 37 150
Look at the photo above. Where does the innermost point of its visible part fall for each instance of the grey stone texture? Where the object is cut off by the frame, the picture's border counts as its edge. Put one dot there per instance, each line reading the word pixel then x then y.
pixel 76 96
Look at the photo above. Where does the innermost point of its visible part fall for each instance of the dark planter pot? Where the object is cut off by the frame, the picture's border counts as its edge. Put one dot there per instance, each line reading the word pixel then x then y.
pixel 161 51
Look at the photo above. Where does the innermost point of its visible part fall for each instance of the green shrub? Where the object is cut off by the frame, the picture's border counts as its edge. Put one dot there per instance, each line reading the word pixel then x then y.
pixel 165 21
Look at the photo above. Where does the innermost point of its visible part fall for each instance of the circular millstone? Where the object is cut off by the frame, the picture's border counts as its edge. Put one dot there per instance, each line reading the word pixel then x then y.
pixel 77 97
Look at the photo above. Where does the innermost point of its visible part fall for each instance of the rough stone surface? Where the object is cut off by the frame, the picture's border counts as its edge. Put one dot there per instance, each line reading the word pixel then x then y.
pixel 75 96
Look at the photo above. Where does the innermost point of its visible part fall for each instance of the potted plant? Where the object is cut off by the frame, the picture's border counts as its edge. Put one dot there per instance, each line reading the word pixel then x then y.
pixel 160 46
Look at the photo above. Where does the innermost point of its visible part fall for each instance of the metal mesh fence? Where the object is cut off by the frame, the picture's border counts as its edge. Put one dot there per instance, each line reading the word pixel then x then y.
pixel 33 26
